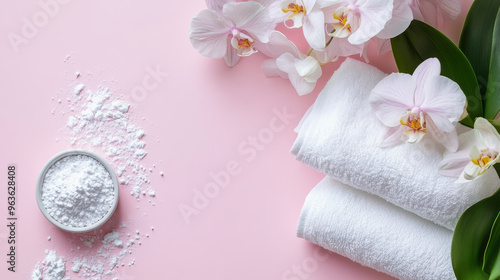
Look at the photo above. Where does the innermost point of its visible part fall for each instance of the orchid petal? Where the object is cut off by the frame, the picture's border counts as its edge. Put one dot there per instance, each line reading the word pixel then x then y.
pixel 374 15
pixel 287 63
pixel 427 69
pixel 384 45
pixel 449 139
pixel 453 163
pixel 428 11
pixel 488 133
pixel 309 69
pixel 208 34
pixel 392 137
pixel 217 5
pixel 341 47
pixel 278 44
pixel 392 97
pixel 451 9
pixel 471 171
pixel 251 17
pixel 401 19
pixel 314 29
pixel 443 97
pixel 231 57
pixel 270 69
pixel 309 5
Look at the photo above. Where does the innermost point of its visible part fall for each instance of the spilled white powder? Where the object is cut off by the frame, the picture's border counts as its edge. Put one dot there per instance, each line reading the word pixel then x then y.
pixel 51 268
pixel 77 191
pixel 78 88
pixel 103 122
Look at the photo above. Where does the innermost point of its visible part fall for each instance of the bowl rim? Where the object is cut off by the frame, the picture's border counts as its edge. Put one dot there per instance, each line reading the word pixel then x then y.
pixel 39 186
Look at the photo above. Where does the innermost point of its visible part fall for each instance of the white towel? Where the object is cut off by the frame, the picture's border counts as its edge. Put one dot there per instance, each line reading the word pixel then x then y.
pixel 375 233
pixel 339 136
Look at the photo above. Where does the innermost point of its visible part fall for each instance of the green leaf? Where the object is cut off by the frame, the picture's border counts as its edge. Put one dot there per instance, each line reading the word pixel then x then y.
pixel 471 236
pixel 476 41
pixel 492 248
pixel 492 97
pixel 420 42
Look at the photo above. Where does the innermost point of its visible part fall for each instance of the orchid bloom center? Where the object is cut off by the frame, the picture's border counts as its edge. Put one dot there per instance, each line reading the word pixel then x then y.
pixel 243 43
pixel 485 157
pixel 294 8
pixel 296 11
pixel 481 160
pixel 343 24
pixel 415 121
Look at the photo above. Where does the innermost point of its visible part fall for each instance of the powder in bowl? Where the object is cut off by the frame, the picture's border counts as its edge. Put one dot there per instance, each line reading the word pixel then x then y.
pixel 77 191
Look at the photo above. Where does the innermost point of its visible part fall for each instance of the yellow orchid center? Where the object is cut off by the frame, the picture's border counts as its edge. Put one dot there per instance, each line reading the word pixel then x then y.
pixel 244 43
pixel 484 158
pixel 294 8
pixel 342 20
pixel 415 120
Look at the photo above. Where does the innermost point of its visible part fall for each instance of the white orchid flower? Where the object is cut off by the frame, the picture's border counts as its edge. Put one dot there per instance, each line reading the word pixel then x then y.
pixel 230 29
pixel 289 63
pixel 308 15
pixel 353 23
pixel 477 151
pixel 413 105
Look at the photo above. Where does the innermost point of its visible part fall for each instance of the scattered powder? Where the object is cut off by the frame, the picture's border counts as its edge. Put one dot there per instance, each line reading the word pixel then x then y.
pixel 78 88
pixel 152 193
pixel 77 191
pixel 103 122
pixel 52 268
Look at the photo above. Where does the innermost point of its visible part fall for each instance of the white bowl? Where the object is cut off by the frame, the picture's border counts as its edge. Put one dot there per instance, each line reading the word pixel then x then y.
pixel 39 190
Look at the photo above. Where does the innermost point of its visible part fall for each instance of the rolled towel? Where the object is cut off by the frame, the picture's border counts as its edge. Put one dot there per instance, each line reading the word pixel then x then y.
pixel 339 135
pixel 375 233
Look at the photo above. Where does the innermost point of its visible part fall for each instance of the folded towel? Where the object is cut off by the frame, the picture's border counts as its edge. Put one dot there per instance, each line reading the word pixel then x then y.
pixel 339 137
pixel 375 233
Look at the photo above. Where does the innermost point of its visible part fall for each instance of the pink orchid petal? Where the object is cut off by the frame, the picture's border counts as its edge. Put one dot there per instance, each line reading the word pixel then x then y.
pixel 278 44
pixel 314 29
pixel 374 15
pixel 443 97
pixel 270 69
pixel 392 98
pixel 428 11
pixel 448 139
pixel 287 63
pixel 488 133
pixel 451 9
pixel 392 137
pixel 273 8
pixel 341 47
pixel 401 19
pixel 453 163
pixel 208 34
pixel 217 5
pixel 427 69
pixel 384 45
pixel 251 17
pixel 442 123
pixel 231 57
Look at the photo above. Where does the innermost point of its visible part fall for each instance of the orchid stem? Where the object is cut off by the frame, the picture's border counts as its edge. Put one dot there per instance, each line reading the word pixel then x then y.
pixel 311 49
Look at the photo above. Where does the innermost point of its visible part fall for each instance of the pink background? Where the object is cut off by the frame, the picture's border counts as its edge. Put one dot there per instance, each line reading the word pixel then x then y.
pixel 194 119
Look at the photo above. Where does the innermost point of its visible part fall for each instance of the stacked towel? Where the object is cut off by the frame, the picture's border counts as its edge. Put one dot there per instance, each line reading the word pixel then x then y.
pixel 339 136
pixel 398 217
pixel 375 233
